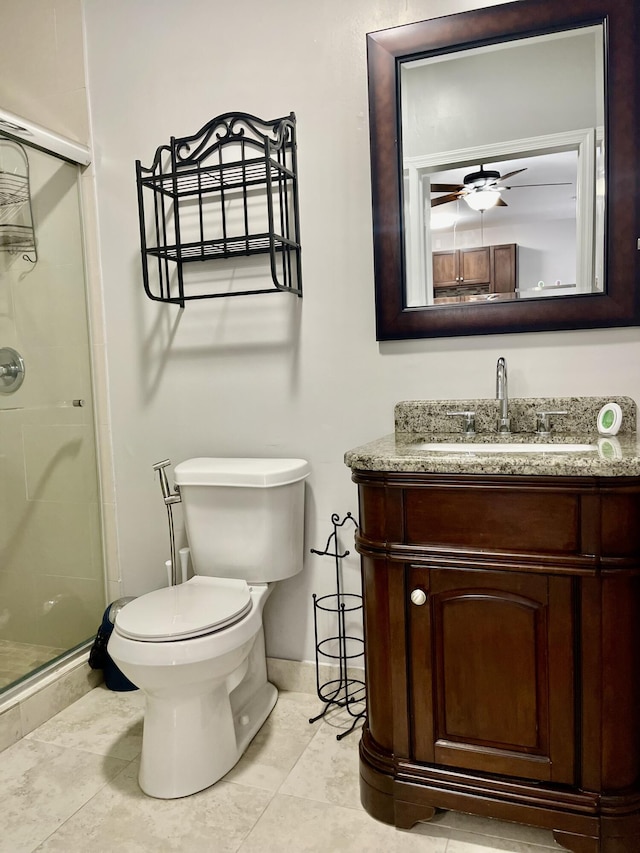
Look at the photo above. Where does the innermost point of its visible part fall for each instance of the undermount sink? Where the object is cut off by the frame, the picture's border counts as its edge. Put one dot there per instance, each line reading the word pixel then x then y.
pixel 504 447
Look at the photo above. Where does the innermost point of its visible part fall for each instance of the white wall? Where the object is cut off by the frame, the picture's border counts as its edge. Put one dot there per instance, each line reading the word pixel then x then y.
pixel 275 375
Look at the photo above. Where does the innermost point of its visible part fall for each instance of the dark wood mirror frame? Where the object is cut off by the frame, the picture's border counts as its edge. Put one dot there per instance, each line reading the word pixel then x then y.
pixel 619 305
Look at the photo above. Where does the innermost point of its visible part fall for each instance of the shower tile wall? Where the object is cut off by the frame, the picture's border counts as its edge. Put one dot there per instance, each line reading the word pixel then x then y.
pixel 42 65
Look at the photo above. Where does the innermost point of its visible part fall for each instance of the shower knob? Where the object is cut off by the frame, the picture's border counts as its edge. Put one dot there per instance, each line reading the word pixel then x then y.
pixel 418 597
pixel 11 370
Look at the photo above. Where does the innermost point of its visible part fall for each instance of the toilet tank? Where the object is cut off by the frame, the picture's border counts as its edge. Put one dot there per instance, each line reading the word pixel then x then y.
pixel 244 517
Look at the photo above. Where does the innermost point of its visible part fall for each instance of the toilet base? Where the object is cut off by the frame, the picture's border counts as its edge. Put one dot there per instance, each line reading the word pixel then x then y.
pixel 206 697
pixel 252 717
pixel 174 763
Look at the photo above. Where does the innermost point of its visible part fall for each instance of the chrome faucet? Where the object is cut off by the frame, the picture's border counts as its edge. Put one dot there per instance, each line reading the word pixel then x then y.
pixel 502 394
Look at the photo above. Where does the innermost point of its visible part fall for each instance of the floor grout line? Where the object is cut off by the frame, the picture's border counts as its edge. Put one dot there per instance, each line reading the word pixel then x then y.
pixel 80 808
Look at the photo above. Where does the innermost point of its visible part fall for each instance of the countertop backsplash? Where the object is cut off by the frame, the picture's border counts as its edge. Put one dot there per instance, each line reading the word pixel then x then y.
pixel 429 417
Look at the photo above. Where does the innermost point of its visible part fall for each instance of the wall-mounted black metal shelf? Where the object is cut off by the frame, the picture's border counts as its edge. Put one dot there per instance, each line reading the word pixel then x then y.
pixel 228 191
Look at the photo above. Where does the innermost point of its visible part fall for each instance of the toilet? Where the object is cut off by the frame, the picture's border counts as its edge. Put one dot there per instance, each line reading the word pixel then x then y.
pixel 197 649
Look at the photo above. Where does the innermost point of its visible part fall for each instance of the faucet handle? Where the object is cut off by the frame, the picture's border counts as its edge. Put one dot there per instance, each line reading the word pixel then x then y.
pixel 543 421
pixel 469 422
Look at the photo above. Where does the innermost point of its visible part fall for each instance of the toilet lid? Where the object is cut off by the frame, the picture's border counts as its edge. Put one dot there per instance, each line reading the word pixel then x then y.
pixel 199 606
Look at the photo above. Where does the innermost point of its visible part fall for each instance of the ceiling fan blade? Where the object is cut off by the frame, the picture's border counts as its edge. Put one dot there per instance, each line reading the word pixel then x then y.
pixel 511 174
pixel 444 199
pixel 501 203
pixel 446 188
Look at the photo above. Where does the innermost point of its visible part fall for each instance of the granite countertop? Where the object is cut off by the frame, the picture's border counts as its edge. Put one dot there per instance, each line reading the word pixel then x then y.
pixel 619 457
pixel 420 422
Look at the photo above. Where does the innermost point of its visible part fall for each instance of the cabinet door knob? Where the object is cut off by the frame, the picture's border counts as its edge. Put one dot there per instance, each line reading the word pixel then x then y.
pixel 418 596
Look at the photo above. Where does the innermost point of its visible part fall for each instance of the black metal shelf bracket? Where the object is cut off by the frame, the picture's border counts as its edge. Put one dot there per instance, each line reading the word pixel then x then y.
pixel 344 691
pixel 229 191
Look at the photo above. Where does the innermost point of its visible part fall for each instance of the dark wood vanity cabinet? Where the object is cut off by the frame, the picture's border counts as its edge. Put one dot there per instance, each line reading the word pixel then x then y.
pixel 502 648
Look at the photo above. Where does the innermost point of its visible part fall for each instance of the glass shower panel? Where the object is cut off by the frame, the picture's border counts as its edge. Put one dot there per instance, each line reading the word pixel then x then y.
pixel 51 558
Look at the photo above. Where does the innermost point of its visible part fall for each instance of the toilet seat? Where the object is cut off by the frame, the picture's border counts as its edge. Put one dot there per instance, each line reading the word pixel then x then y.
pixel 200 606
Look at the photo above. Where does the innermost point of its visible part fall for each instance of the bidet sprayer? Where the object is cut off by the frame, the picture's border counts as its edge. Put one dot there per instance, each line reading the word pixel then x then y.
pixel 169 499
pixel 169 496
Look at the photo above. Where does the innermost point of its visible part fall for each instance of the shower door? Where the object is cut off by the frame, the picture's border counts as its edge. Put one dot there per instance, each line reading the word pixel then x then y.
pixel 51 558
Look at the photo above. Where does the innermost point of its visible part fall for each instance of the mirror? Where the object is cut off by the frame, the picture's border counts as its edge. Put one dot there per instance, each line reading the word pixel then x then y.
pixel 509 157
pixel 505 187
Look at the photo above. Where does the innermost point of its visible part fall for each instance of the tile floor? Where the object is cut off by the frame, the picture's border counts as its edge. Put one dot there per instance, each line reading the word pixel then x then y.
pixel 71 786
pixel 19 659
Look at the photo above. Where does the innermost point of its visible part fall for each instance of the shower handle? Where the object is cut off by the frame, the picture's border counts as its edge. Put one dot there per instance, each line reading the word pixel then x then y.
pixel 11 370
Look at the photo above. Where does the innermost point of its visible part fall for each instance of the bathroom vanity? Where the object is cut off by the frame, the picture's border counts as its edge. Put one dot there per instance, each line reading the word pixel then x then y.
pixel 502 623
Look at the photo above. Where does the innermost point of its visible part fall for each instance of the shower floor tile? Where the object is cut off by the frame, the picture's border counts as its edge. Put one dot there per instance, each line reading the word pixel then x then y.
pixel 20 659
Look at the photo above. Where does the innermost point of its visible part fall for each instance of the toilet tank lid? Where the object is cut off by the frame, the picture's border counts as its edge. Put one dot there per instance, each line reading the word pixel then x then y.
pixel 228 471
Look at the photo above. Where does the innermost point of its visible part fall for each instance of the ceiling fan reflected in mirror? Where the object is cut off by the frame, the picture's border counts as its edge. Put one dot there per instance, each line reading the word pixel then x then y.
pixel 481 190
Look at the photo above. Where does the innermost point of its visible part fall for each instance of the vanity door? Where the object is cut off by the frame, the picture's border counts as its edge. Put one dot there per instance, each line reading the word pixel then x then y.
pixel 491 671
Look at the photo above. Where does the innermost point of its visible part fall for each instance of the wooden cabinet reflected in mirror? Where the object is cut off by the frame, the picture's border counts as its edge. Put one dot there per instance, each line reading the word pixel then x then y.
pixel 559 160
pixel 467 275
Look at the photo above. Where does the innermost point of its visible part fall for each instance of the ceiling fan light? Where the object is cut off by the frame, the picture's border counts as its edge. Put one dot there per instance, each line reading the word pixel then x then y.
pixel 482 199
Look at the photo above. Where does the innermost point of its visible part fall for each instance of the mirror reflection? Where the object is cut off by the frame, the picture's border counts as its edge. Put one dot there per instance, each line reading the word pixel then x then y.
pixel 503 170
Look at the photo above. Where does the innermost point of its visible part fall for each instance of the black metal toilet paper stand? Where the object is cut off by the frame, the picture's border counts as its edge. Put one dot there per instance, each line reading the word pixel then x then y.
pixel 341 649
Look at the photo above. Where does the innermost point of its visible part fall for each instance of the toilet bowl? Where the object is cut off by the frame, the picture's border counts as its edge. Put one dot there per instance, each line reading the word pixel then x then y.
pixel 197 649
pixel 195 729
